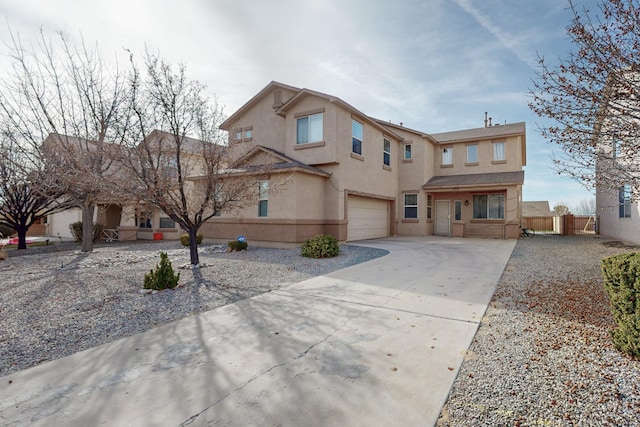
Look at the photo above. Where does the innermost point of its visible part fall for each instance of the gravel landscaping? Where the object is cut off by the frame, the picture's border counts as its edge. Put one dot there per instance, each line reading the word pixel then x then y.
pixel 542 355
pixel 56 301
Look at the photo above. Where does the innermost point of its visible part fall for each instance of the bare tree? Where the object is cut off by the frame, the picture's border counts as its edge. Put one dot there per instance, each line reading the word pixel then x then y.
pixel 178 161
pixel 27 192
pixel 586 207
pixel 68 96
pixel 561 209
pixel 592 95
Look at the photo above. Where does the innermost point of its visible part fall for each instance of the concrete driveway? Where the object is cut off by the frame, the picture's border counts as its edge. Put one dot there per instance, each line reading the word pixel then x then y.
pixel 375 344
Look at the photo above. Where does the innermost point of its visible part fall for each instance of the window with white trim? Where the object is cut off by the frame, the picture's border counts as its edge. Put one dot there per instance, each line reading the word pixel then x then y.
pixel 624 197
pixel 309 129
pixel 357 135
pixel 472 154
pixel 386 155
pixel 488 206
pixel 411 206
pixel 447 156
pixel 498 151
pixel 263 198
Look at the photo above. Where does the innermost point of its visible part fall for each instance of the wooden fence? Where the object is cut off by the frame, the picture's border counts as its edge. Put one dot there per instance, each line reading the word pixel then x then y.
pixel 566 224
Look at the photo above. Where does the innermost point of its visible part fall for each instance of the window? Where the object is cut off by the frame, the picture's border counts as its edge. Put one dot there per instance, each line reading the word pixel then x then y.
pixel 386 155
pixel 457 210
pixel 143 219
pixel 411 206
pixel 309 129
pixel 166 222
pixel 498 151
pixel 488 206
pixel 248 134
pixel 624 197
pixel 429 205
pixel 169 166
pixel 263 198
pixel 357 130
pixel 447 156
pixel 237 135
pixel 472 154
pixel 407 152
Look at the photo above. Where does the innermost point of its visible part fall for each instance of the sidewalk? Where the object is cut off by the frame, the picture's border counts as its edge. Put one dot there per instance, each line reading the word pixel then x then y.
pixel 378 343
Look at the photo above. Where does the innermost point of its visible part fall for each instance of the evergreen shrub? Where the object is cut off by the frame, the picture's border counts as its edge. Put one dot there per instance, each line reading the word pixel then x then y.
pixel 622 283
pixel 320 246
pixel 163 277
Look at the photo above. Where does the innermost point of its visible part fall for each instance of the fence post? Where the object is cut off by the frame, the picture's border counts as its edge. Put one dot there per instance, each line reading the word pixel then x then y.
pixel 568 225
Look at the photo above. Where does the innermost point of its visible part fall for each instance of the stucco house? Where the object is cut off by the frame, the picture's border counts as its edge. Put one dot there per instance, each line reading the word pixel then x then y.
pixel 326 167
pixel 339 171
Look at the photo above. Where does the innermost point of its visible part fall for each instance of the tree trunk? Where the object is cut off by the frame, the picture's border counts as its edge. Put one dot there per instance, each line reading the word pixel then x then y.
pixel 22 237
pixel 87 227
pixel 193 246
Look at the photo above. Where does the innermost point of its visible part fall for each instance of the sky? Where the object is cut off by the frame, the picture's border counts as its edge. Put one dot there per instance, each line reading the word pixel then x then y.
pixel 434 65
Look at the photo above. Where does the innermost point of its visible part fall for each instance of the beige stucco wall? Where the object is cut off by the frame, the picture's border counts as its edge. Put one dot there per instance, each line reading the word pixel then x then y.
pixel 513 156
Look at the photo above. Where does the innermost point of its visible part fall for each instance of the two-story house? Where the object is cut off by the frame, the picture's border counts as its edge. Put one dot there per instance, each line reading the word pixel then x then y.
pixel 337 171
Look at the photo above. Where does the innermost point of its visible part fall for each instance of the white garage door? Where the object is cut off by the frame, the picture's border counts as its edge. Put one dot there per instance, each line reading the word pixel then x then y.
pixel 368 218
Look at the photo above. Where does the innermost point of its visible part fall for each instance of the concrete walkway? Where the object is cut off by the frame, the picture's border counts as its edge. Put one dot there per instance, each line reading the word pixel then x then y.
pixel 376 344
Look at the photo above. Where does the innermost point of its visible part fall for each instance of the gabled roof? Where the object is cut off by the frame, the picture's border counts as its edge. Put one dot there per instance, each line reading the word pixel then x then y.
pixel 282 163
pixel 475 180
pixel 496 131
pixel 226 125
pixel 300 94
pixel 536 209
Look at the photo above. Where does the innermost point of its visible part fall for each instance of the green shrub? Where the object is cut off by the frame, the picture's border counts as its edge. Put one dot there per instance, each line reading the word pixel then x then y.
pixel 163 277
pixel 76 231
pixel 320 246
pixel 6 231
pixel 236 245
pixel 186 241
pixel 622 283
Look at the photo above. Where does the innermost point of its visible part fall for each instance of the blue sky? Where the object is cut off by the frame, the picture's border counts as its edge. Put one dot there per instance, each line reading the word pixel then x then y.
pixel 434 65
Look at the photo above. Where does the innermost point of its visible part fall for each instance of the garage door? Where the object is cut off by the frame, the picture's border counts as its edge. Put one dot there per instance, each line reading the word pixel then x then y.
pixel 368 218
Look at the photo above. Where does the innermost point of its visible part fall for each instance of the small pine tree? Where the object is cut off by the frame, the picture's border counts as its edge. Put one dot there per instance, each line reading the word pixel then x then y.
pixel 163 277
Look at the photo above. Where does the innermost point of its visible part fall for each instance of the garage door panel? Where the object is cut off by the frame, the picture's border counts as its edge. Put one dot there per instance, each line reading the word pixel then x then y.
pixel 368 218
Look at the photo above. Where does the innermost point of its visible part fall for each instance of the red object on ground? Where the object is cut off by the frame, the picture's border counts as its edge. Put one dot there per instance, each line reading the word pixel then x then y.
pixel 157 236
pixel 14 241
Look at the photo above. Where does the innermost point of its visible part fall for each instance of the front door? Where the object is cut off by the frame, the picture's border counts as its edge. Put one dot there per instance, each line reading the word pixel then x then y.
pixel 443 218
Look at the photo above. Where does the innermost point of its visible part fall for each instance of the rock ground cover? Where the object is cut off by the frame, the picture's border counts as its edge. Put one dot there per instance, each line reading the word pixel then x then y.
pixel 55 300
pixel 542 355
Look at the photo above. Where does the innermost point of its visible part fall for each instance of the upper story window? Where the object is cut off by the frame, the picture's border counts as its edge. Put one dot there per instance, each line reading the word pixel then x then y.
pixel 624 197
pixel 488 206
pixel 472 154
pixel 237 135
pixel 498 152
pixel 309 129
pixel 411 206
pixel 248 134
pixel 407 152
pixel 357 130
pixel 447 156
pixel 386 155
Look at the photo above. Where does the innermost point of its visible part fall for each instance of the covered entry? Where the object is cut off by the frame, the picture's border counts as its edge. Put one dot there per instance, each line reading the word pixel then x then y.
pixel 368 218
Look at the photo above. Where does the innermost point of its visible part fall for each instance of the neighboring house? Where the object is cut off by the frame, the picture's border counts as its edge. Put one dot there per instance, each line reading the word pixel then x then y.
pixel 122 220
pixel 617 161
pixel 337 171
pixel 541 208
